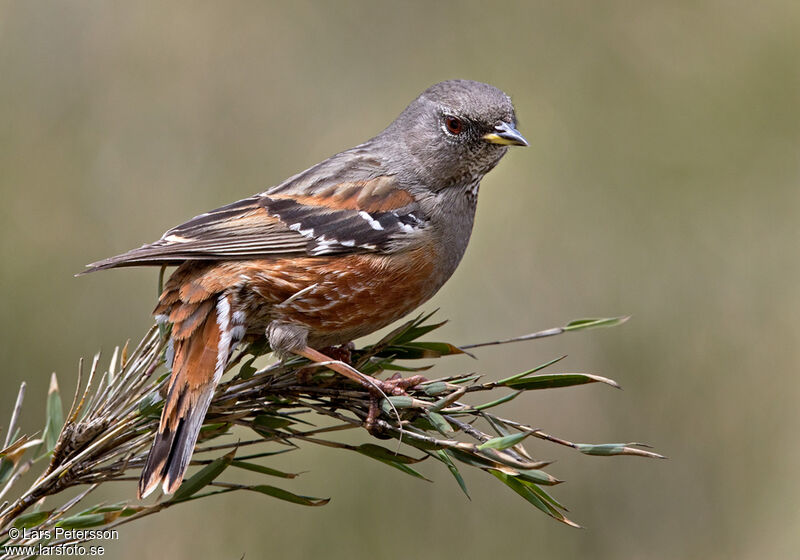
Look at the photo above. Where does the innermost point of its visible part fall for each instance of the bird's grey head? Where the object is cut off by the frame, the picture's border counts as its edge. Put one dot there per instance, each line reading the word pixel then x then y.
pixel 455 132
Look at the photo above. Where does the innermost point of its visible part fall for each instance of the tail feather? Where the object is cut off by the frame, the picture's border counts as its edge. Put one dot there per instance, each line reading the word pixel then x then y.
pixel 198 365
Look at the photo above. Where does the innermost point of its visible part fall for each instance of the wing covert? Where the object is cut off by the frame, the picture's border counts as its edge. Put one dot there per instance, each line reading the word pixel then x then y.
pixel 356 216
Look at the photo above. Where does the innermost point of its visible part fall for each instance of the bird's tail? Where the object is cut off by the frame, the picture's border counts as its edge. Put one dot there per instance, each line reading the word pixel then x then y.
pixel 199 362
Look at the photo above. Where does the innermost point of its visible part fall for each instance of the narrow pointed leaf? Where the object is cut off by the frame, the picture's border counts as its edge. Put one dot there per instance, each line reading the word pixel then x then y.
pixel 521 489
pixel 580 324
pixel 556 380
pixel 151 405
pixel 544 495
pixel 82 521
pixel 28 520
pixel 445 458
pixel 397 461
pixel 285 495
pixel 436 388
pixel 55 415
pixel 398 402
pixel 538 476
pixel 503 442
pixel 261 469
pixel 440 424
pixel 379 452
pixel 87 520
pixel 271 422
pixel 466 379
pixel 531 371
pixel 608 449
pixel 247 370
pixel 474 460
pixel 122 508
pixel 415 332
pixel 387 365
pixel 203 477
pixel 524 491
pixel 421 350
pixel 496 402
pixel 404 468
pixel 6 469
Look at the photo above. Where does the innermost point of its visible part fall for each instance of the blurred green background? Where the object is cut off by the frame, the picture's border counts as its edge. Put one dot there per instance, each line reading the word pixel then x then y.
pixel 661 181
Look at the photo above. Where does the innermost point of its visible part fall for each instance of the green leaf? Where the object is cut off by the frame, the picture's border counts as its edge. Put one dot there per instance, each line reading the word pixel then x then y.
pixel 121 508
pixel 473 460
pixel 247 369
pixel 383 454
pixel 521 489
pixel 445 458
pixel 580 324
pixel 266 454
pixel 215 428
pixel 435 349
pixel 99 515
pixel 532 497
pixel 271 422
pixel 401 333
pixel 55 415
pixel 555 380
pixel 423 424
pixel 608 449
pixel 503 442
pixel 404 468
pixel 150 406
pixel 424 445
pixel 539 477
pixel 83 521
pixel 531 371
pixel 6 469
pixel 11 456
pixel 387 365
pixel 203 477
pixel 258 348
pixel 501 400
pixel 544 495
pixel 440 424
pixel 400 401
pixel 497 424
pixel 466 379
pixel 414 332
pixel 28 520
pixel 421 350
pixel 399 462
pixel 261 469
pixel 435 388
pixel 285 495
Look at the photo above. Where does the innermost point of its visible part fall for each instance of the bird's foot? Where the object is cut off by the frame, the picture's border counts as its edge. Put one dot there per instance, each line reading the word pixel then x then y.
pixel 395 386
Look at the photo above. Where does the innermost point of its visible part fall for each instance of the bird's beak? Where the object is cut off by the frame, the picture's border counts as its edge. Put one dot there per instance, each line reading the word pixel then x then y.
pixel 505 135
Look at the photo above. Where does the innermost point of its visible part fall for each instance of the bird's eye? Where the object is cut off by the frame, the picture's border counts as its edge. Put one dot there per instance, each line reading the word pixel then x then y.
pixel 454 125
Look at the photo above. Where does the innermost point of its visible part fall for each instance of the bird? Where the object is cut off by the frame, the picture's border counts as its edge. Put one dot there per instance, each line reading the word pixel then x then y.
pixel 331 254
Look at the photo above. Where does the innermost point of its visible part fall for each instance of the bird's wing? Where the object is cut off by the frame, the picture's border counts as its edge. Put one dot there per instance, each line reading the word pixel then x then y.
pixel 308 215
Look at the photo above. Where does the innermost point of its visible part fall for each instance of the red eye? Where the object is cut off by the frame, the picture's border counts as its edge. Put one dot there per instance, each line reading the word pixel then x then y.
pixel 454 125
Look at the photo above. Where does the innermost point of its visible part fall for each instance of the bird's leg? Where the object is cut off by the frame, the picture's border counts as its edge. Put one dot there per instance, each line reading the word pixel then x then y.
pixel 336 365
pixel 377 389
pixel 341 353
pixel 372 385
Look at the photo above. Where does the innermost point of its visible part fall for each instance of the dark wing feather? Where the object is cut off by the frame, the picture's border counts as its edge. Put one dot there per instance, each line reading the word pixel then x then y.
pixel 307 216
